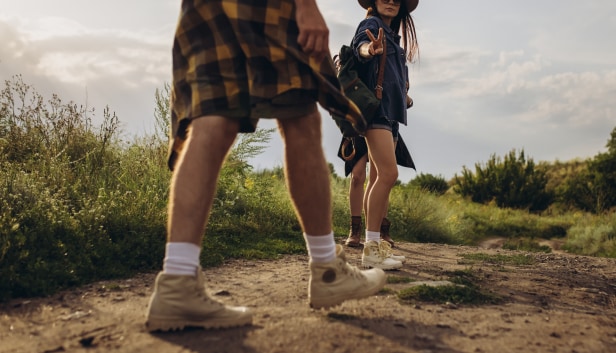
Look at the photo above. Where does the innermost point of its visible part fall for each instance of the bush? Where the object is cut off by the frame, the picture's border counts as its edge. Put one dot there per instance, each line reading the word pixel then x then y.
pixel 431 183
pixel 420 216
pixel 512 182
pixel 76 204
pixel 593 188
pixel 593 236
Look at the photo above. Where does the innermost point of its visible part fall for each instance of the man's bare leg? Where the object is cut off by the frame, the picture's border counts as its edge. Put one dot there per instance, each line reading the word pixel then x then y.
pixel 193 185
pixel 179 297
pixel 332 279
pixel 307 173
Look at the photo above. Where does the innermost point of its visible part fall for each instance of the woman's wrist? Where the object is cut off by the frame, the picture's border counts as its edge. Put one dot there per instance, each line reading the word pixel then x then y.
pixel 365 51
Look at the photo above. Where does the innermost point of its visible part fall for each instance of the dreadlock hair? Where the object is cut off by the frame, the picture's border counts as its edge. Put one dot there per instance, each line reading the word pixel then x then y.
pixel 402 23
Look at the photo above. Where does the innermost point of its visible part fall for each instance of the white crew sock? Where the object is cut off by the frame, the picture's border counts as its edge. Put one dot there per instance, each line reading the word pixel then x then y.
pixel 321 248
pixel 181 259
pixel 373 236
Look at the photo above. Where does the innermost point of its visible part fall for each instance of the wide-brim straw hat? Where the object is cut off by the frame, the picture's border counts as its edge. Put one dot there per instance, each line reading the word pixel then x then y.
pixel 410 4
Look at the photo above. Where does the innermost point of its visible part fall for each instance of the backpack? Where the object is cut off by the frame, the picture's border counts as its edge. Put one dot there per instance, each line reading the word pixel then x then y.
pixel 367 100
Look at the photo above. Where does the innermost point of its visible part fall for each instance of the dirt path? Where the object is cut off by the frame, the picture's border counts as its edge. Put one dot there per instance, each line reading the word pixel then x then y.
pixel 561 303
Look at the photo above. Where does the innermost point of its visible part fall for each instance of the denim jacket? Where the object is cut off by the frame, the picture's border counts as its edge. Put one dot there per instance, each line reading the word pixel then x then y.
pixel 393 104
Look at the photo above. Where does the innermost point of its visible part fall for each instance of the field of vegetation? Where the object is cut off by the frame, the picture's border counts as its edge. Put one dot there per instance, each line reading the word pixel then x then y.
pixel 79 202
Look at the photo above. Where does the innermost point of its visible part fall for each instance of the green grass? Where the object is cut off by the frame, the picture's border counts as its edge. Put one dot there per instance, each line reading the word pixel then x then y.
pixel 525 244
pixel 387 291
pixel 393 279
pixel 340 317
pixel 593 236
pixel 447 294
pixel 516 260
pixel 464 290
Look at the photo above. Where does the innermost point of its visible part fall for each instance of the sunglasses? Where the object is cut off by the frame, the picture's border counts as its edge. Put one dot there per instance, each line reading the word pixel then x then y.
pixel 395 2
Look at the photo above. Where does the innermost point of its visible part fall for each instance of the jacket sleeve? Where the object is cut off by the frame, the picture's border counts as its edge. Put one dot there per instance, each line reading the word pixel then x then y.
pixel 361 37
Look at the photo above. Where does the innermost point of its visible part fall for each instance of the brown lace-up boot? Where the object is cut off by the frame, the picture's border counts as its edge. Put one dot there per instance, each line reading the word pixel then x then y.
pixel 385 231
pixel 354 239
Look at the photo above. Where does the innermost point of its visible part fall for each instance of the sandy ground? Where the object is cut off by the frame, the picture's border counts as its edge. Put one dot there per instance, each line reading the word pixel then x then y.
pixel 561 303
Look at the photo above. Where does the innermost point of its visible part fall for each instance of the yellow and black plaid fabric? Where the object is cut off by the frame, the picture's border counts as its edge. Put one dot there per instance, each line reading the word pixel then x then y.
pixel 230 55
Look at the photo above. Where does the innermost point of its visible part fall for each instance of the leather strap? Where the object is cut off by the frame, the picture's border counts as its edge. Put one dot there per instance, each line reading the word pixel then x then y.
pixel 343 148
pixel 378 90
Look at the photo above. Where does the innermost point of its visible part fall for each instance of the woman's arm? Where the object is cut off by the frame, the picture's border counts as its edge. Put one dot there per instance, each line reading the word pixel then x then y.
pixel 362 42
pixel 374 47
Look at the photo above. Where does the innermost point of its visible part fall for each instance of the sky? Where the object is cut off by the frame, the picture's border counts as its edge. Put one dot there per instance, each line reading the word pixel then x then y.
pixel 493 76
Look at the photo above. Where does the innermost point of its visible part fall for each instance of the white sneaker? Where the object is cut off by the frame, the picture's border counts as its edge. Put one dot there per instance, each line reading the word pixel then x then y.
pixel 374 257
pixel 385 247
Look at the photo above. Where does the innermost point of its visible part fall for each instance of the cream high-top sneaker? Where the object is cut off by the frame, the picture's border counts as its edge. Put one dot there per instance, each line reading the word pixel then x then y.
pixel 375 258
pixel 385 247
pixel 181 301
pixel 334 282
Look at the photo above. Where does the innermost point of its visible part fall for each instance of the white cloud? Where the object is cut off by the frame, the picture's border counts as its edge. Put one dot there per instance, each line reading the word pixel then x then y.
pixel 53 27
pixel 492 76
pixel 577 99
pixel 118 68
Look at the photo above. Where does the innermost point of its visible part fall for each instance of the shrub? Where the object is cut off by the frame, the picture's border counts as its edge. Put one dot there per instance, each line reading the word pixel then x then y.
pixel 593 236
pixel 76 204
pixel 431 183
pixel 593 188
pixel 418 215
pixel 512 182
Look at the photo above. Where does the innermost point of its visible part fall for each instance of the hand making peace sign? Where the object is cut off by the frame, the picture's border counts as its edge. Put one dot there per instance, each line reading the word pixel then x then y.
pixel 376 44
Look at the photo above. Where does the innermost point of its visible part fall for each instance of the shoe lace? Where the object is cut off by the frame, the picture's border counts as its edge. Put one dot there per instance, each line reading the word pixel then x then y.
pixel 352 271
pixel 377 250
pixel 385 249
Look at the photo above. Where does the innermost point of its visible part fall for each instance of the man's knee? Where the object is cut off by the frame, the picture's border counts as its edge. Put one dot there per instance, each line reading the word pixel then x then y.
pixel 306 128
pixel 216 129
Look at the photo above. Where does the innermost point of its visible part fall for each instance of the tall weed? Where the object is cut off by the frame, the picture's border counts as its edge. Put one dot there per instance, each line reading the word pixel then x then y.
pixel 77 204
pixel 594 236
pixel 421 216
